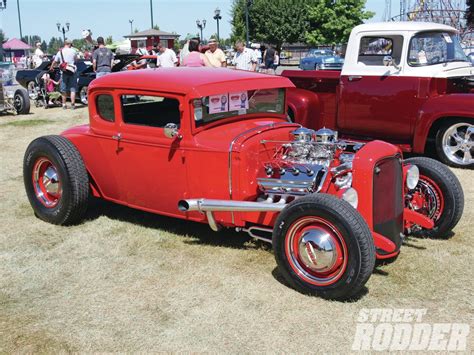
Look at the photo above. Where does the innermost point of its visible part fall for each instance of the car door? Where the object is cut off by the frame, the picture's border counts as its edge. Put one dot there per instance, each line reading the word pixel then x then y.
pixel 152 165
pixel 376 100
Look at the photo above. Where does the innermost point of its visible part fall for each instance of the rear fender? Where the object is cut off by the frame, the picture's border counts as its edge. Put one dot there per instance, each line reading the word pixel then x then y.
pixel 305 106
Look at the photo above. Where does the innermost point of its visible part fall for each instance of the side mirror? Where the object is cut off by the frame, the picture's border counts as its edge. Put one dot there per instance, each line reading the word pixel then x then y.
pixel 171 131
pixel 389 62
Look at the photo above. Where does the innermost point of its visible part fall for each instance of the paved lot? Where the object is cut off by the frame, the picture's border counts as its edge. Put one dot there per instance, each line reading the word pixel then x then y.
pixel 126 280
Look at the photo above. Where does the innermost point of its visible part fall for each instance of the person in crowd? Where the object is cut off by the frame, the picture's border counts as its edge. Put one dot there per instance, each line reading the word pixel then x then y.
pixel 185 50
pixel 244 58
pixel 195 58
pixel 142 49
pixel 215 55
pixel 276 62
pixel 102 59
pixel 167 57
pixel 66 59
pixel 258 53
pixel 50 86
pixel 269 59
pixel 38 56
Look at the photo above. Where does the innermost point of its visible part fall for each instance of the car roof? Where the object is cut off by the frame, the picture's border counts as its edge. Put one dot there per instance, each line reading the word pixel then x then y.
pixel 193 82
pixel 403 26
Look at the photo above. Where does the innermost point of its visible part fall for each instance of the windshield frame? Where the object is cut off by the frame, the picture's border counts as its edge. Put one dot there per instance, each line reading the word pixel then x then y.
pixel 451 34
pixel 239 117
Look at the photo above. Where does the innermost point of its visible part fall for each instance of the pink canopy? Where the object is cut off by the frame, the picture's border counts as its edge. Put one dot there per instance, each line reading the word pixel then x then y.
pixel 15 44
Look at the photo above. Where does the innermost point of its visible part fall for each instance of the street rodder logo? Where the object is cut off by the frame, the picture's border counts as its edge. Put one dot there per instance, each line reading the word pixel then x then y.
pixel 389 329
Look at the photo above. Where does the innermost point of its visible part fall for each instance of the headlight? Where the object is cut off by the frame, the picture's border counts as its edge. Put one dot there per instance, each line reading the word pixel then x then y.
pixel 413 175
pixel 351 196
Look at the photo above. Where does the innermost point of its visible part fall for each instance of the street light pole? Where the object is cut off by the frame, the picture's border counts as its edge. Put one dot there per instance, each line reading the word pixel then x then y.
pixel 151 12
pixel 131 27
pixel 247 5
pixel 217 17
pixel 63 30
pixel 201 26
pixel 19 17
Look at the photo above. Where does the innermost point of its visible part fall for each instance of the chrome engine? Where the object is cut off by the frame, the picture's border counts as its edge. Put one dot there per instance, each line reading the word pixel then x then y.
pixel 301 165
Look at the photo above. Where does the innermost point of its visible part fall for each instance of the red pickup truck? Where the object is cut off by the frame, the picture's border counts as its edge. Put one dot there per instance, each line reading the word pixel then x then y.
pixel 404 82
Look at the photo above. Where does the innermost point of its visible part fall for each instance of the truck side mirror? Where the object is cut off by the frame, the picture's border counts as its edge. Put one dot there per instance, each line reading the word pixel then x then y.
pixel 171 131
pixel 389 62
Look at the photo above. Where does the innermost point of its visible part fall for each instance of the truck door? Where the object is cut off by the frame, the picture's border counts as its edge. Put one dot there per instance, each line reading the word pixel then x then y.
pixel 152 165
pixel 377 100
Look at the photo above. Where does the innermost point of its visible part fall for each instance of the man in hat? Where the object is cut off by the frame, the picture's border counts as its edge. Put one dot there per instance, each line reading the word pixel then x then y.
pixel 215 55
pixel 66 58
pixel 38 56
pixel 102 59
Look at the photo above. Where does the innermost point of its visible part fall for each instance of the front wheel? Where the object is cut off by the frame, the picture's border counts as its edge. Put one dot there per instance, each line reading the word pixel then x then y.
pixel 323 247
pixel 21 102
pixel 56 180
pixel 438 196
pixel 455 144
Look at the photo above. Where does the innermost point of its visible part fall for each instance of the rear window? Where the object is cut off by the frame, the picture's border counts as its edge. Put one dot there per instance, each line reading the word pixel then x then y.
pixel 105 107
pixel 372 50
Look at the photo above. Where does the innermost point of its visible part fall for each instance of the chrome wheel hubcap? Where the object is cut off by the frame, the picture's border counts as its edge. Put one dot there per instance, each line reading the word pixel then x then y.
pixel 317 250
pixel 458 144
pixel 84 96
pixel 46 183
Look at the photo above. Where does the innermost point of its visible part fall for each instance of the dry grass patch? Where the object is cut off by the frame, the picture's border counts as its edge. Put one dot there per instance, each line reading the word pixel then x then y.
pixel 126 280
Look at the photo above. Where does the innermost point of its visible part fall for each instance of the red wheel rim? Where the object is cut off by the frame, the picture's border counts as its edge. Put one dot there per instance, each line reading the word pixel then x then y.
pixel 427 199
pixel 46 183
pixel 316 251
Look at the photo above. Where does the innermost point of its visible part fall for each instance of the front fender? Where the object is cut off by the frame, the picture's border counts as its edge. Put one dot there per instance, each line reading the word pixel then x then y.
pixel 452 105
pixel 305 106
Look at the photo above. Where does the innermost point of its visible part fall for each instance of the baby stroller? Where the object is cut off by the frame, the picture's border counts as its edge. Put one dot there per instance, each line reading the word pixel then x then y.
pixel 43 96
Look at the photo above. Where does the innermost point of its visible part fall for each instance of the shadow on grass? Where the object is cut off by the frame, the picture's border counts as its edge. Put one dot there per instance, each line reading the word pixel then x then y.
pixel 279 277
pixel 200 232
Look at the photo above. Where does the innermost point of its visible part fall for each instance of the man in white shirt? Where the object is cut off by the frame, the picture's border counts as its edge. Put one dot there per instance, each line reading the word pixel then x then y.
pixel 244 58
pixel 167 57
pixel 38 56
pixel 68 84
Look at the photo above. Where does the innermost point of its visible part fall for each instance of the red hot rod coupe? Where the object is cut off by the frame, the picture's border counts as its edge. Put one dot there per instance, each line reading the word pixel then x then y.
pixel 215 146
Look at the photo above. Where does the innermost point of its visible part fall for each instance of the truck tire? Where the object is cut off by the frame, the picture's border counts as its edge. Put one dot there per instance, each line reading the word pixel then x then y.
pixel 455 143
pixel 323 247
pixel 56 180
pixel 21 102
pixel 438 195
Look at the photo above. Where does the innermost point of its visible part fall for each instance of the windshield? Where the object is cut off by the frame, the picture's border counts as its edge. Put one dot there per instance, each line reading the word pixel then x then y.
pixel 217 107
pixel 429 48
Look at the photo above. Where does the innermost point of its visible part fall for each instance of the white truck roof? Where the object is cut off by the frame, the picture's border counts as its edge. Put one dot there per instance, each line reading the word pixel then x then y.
pixel 402 26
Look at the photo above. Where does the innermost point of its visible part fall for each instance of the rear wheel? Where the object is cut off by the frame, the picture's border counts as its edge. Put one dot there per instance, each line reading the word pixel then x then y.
pixel 56 180
pixel 455 144
pixel 323 247
pixel 438 196
pixel 21 102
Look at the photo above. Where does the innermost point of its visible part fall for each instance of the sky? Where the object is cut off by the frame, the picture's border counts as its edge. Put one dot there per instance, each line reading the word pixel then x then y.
pixel 111 17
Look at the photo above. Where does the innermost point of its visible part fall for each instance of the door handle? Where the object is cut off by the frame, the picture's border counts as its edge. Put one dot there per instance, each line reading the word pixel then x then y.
pixel 354 77
pixel 117 137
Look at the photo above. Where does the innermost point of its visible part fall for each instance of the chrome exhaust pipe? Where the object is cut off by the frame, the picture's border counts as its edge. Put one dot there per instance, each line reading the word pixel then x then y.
pixel 205 205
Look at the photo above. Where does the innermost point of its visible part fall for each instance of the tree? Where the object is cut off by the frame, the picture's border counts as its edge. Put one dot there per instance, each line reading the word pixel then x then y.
pixel 44 46
pixel 3 38
pixel 109 40
pixel 470 13
pixel 271 21
pixel 55 44
pixel 156 27
pixel 331 21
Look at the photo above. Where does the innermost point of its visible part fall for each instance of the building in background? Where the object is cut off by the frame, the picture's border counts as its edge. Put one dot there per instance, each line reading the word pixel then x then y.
pixel 150 38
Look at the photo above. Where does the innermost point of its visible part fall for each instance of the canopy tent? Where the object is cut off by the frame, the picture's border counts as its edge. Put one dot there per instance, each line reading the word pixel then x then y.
pixel 15 48
pixel 120 47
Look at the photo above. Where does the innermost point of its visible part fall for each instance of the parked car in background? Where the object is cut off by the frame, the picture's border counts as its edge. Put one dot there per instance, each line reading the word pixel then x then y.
pixel 321 59
pixel 12 99
pixel 409 83
pixel 329 207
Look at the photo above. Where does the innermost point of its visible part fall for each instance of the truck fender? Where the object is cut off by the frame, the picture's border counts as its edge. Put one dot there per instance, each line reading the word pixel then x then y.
pixel 440 108
pixel 303 107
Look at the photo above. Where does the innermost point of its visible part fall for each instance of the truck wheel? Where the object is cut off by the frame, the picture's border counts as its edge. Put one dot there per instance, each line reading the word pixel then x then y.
pixel 56 180
pixel 21 102
pixel 455 144
pixel 438 195
pixel 83 95
pixel 323 247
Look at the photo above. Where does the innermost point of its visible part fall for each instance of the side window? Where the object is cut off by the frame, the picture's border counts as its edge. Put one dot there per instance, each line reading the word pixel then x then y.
pixel 105 107
pixel 373 49
pixel 152 111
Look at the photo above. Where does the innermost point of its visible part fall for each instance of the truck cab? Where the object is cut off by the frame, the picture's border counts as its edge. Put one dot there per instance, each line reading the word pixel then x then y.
pixel 406 82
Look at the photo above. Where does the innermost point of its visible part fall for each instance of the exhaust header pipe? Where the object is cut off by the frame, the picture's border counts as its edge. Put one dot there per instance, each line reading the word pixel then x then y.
pixel 205 205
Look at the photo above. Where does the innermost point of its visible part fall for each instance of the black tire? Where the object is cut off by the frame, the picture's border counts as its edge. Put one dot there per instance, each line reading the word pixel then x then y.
pixel 360 249
pixel 21 102
pixel 450 189
pixel 71 203
pixel 443 140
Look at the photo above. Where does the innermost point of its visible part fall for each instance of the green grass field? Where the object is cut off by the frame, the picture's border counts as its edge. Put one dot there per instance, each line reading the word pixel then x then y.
pixel 126 280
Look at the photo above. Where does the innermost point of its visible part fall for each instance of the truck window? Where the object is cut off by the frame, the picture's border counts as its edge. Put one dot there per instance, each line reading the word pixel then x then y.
pixel 105 107
pixel 152 111
pixel 373 49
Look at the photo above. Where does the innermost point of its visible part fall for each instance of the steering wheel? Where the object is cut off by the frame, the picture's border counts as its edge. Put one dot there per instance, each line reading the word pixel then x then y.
pixel 435 60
